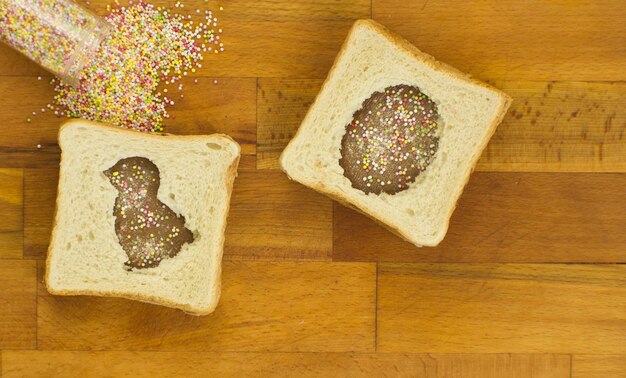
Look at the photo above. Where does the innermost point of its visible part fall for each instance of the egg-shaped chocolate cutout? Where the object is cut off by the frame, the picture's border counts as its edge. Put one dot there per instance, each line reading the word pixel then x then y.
pixel 391 139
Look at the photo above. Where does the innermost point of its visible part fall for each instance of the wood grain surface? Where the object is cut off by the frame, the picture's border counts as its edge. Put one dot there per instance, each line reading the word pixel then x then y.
pixel 261 222
pixel 11 223
pixel 598 366
pixel 172 364
pixel 493 308
pixel 518 39
pixel 18 317
pixel 335 312
pixel 509 217
pixel 551 126
pixel 529 282
pixel 40 192
pixel 227 107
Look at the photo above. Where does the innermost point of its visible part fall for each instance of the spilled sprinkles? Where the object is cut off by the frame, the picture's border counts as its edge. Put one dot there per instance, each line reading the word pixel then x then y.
pixel 135 74
pixel 390 140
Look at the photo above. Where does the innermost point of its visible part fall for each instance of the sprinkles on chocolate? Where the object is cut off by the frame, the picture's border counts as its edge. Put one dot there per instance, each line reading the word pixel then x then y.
pixel 146 228
pixel 391 140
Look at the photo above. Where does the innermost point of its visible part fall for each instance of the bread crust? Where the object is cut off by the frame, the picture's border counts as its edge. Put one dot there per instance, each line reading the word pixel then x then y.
pixel 191 310
pixel 430 61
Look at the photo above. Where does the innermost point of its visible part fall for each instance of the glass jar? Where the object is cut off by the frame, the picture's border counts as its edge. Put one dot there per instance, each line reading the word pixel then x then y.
pixel 59 35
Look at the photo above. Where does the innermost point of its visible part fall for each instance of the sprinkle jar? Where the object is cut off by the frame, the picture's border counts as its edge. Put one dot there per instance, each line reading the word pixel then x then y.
pixel 59 35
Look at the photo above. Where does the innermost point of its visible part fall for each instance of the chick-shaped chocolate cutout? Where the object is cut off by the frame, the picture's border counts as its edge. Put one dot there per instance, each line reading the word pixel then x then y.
pixel 146 228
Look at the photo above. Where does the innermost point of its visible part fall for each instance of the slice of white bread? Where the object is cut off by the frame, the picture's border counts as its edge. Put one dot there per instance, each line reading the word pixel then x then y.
pixel 372 59
pixel 196 179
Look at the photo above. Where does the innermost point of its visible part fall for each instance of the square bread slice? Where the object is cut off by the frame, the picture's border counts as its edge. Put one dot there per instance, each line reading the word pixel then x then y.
pixel 85 256
pixel 371 60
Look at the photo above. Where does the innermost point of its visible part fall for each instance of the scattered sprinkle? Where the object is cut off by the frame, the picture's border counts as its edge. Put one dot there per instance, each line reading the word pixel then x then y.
pixel 147 47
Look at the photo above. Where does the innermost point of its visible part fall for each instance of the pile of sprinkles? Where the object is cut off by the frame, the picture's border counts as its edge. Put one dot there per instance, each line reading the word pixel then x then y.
pixel 146 228
pixel 391 140
pixel 136 73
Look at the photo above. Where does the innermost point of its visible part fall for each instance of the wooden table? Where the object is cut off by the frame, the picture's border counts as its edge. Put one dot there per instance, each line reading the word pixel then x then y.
pixel 527 282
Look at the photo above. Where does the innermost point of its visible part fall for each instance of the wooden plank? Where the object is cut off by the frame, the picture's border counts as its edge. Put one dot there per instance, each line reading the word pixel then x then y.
pixel 227 107
pixel 29 158
pixel 522 40
pixel 72 364
pixel 265 306
pixel 260 223
pixel 18 304
pixel 11 222
pixel 551 126
pixel 281 106
pixel 598 366
pixel 261 37
pixel 21 97
pixel 247 162
pixel 493 308
pixel 508 217
pixel 14 63
pixel 560 126
pixel 40 193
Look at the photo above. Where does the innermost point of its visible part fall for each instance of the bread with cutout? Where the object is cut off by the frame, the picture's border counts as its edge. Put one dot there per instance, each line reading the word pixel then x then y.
pixel 141 216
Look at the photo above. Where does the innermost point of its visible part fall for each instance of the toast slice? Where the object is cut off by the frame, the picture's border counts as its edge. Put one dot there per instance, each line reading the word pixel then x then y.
pixel 93 249
pixel 371 61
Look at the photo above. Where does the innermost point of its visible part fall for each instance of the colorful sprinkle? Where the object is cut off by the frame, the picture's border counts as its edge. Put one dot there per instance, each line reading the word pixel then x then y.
pixel 391 140
pixel 59 35
pixel 145 50
pixel 147 229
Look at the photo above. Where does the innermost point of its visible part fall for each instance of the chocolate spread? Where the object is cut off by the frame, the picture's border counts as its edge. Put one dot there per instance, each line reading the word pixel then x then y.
pixel 146 228
pixel 390 141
